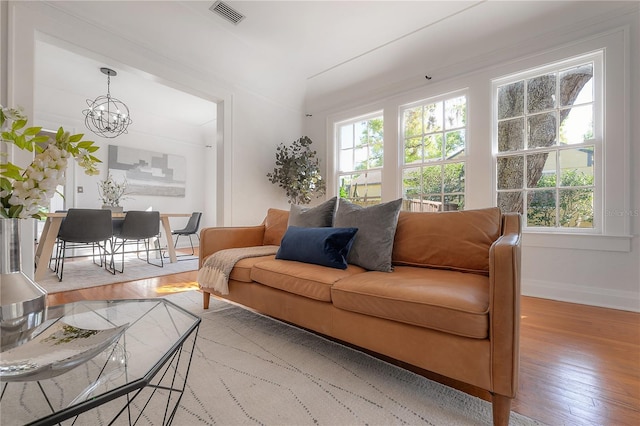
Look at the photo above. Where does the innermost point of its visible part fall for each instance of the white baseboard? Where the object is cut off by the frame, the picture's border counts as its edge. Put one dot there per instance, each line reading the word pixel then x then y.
pixel 564 292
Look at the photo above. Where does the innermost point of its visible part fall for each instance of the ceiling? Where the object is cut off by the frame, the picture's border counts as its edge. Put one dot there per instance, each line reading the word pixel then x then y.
pixel 313 37
pixel 287 46
pixel 66 79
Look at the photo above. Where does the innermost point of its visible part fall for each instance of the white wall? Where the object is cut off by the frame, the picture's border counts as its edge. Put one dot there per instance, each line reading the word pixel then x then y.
pixel 597 270
pixel 262 127
pixel 4 27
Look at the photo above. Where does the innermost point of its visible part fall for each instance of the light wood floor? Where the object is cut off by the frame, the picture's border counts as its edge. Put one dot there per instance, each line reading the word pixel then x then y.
pixel 579 365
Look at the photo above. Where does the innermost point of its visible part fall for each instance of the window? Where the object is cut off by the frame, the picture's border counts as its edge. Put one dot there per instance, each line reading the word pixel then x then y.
pixel 360 159
pixel 548 143
pixel 434 142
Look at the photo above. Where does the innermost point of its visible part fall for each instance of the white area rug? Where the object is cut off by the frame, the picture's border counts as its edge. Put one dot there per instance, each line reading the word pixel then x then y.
pixel 251 369
pixel 82 273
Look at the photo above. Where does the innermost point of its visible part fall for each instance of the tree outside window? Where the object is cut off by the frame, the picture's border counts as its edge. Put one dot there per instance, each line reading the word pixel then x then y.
pixel 546 145
pixel 434 142
pixel 361 160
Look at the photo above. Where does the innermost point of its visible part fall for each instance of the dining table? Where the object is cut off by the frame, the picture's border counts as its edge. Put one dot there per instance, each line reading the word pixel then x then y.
pixel 51 228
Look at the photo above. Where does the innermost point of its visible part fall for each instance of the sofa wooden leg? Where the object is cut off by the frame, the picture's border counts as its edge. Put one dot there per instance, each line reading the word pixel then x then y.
pixel 501 406
pixel 205 299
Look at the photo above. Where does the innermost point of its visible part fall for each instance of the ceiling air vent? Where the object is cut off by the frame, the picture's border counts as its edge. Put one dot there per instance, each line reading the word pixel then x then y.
pixel 227 12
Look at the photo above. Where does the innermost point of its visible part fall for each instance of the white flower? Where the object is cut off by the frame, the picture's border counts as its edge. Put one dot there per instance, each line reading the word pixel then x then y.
pixel 53 152
pixel 14 114
pixel 48 184
pixel 25 192
pixel 111 193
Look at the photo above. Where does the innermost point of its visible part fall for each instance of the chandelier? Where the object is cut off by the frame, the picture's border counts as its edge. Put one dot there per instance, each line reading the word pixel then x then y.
pixel 107 116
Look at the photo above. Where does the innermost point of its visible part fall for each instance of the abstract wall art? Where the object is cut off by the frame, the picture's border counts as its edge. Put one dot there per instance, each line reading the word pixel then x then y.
pixel 148 172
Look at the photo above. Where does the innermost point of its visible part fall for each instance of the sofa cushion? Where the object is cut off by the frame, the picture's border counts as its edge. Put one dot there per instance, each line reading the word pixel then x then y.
pixel 376 225
pixel 320 246
pixel 314 217
pixel 303 279
pixel 452 240
pixel 242 269
pixel 275 225
pixel 449 301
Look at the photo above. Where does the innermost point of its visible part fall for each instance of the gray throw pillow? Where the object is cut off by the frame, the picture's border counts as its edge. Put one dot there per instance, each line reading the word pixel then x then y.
pixel 373 245
pixel 314 217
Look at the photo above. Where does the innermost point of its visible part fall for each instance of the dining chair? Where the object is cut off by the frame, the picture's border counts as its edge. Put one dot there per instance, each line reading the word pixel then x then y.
pixel 138 226
pixel 190 229
pixel 54 253
pixel 83 228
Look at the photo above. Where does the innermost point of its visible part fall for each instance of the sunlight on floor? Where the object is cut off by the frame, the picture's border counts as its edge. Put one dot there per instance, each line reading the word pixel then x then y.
pixel 177 287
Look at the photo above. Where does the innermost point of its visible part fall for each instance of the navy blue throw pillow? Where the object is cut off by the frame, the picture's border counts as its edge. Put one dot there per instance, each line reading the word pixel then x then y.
pixel 321 246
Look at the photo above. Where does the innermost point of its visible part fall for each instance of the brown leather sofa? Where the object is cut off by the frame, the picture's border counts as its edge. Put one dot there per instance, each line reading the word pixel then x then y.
pixel 450 306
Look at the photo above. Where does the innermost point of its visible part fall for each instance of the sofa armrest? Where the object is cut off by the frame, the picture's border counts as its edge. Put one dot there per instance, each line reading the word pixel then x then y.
pixel 219 238
pixel 504 305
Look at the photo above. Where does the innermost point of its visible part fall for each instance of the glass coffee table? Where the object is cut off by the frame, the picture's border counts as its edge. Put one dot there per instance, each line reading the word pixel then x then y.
pixel 100 362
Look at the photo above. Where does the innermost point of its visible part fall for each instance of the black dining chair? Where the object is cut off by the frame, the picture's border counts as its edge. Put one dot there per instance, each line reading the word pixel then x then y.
pixel 138 226
pixel 190 229
pixel 82 228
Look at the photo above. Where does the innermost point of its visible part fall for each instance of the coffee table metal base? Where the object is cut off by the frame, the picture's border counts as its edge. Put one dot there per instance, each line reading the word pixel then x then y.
pixel 131 397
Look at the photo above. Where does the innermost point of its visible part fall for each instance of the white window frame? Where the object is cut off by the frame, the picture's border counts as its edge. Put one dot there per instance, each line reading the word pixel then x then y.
pixel 337 150
pixel 598 141
pixel 618 212
pixel 401 138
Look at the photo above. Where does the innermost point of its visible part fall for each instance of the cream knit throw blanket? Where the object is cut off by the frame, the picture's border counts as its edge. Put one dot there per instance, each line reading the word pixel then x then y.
pixel 215 271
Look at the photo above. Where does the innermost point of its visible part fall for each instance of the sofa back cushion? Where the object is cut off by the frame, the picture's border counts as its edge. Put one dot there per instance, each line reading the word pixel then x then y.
pixel 451 240
pixel 313 217
pixel 275 225
pixel 373 245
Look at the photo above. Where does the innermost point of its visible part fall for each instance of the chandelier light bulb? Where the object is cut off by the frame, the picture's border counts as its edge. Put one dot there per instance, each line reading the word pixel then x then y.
pixel 100 118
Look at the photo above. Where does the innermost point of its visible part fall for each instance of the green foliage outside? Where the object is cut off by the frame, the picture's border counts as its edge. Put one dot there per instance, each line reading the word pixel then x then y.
pixel 371 140
pixel 427 140
pixel 344 192
pixel 575 201
pixel 440 183
pixel 373 136
pixel 417 150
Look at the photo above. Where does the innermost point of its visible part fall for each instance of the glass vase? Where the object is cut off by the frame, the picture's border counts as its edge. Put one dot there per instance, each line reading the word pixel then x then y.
pixel 22 301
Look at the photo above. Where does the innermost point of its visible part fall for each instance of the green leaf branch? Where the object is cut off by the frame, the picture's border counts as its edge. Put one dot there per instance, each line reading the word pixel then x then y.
pixel 26 192
pixel 298 172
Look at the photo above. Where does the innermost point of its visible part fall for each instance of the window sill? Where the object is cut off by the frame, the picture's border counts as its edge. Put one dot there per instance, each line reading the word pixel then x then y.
pixel 618 243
